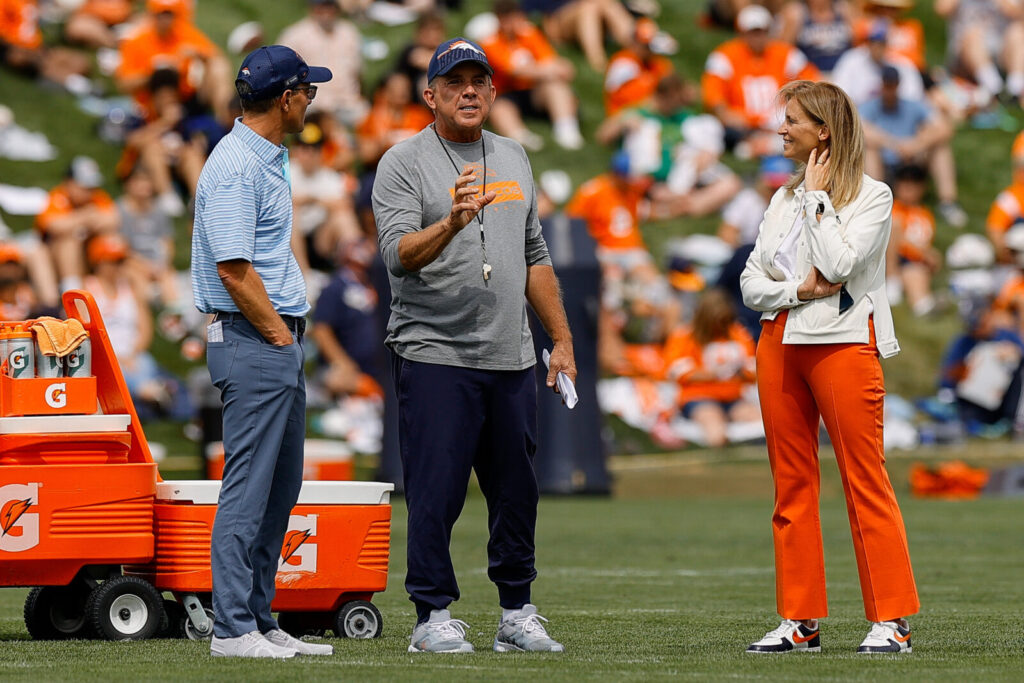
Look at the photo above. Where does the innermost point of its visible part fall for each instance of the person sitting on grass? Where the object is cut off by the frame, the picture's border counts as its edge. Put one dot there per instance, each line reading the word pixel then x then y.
pixel 150 236
pixel 741 77
pixel 530 78
pixel 899 131
pixel 712 360
pixel 75 210
pixel 912 259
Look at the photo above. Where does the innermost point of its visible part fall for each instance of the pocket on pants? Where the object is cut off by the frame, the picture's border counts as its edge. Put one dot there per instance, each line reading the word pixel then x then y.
pixel 220 358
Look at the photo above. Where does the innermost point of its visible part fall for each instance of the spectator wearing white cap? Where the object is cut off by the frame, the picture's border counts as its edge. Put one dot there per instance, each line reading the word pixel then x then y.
pixel 76 210
pixel 742 77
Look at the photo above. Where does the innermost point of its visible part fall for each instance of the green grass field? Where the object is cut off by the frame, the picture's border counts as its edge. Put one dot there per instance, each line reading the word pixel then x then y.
pixel 659 582
pixel 671 578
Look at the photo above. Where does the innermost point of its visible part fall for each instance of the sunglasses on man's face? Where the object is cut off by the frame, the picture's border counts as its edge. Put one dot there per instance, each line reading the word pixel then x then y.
pixel 310 91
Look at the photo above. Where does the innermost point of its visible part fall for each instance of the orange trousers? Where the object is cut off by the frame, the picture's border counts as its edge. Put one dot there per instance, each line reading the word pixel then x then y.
pixel 842 384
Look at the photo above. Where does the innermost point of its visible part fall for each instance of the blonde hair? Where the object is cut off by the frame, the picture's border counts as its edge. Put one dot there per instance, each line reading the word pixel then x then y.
pixel 829 105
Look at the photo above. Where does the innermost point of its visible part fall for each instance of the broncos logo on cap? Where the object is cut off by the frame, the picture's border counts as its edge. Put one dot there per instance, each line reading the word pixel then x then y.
pixel 461 45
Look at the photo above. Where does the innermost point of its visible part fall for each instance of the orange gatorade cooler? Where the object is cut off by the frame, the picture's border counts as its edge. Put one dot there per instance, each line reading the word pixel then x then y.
pixel 335 555
pixel 323 460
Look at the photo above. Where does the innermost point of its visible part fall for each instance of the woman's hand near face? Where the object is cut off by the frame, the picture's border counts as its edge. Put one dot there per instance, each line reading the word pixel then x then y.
pixel 816 175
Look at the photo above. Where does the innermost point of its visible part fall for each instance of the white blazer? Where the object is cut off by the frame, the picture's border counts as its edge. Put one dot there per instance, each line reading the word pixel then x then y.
pixel 848 247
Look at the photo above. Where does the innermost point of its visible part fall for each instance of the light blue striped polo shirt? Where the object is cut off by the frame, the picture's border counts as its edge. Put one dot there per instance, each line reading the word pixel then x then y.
pixel 244 211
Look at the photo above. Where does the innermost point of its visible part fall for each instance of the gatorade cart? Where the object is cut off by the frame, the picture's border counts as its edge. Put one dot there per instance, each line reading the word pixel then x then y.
pixel 86 520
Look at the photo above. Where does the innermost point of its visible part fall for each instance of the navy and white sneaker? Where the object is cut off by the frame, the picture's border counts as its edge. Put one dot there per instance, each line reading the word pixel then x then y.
pixel 790 636
pixel 887 637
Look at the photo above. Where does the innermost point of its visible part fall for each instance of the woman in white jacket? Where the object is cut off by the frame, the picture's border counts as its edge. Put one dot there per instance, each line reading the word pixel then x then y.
pixel 817 273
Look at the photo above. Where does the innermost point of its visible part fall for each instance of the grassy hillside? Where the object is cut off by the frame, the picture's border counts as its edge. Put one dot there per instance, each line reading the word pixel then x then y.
pixel 982 154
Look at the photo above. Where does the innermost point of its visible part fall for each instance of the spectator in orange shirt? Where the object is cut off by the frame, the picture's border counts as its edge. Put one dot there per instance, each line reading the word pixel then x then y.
pixel 1009 301
pixel 530 79
pixel 77 209
pixel 911 259
pixel 906 34
pixel 634 72
pixel 393 118
pixel 167 39
pixel 742 78
pixel 712 360
pixel 1008 208
pixel 93 23
pixel 613 204
pixel 22 48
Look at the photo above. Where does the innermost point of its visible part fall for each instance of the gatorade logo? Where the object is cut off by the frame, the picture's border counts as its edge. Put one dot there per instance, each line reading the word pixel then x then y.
pixel 18 359
pixel 56 395
pixel 298 553
pixel 19 528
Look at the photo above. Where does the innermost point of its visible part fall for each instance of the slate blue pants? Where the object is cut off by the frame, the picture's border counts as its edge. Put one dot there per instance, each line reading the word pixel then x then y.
pixel 451 421
pixel 264 395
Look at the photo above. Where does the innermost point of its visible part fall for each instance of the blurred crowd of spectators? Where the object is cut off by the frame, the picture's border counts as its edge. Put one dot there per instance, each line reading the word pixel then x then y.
pixel 675 330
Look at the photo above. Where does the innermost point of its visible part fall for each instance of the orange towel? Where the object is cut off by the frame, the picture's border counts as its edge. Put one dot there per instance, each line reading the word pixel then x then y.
pixel 58 337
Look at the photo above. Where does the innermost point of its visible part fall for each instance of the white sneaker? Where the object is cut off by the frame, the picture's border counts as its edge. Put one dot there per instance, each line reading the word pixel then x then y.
pixel 283 639
pixel 790 636
pixel 568 137
pixel 886 637
pixel 252 645
pixel 523 631
pixel 440 633
pixel 529 140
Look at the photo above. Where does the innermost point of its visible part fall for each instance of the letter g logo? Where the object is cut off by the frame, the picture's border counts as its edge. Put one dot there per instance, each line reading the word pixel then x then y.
pixel 56 395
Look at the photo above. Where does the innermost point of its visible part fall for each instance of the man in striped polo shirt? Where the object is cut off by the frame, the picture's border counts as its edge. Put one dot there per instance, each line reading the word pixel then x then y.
pixel 244 273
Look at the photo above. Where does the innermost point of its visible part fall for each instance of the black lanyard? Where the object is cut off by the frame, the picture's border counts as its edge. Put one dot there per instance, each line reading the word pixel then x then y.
pixel 480 214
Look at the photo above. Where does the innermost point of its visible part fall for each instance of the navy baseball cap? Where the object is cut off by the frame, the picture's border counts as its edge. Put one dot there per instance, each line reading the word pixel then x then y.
pixel 270 70
pixel 455 51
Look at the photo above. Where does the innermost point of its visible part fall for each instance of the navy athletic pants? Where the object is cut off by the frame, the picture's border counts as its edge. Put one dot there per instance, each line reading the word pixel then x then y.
pixel 453 420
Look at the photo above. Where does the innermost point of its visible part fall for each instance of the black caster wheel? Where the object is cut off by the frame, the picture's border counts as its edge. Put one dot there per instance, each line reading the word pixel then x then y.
pixel 174 627
pixel 358 619
pixel 57 612
pixel 126 608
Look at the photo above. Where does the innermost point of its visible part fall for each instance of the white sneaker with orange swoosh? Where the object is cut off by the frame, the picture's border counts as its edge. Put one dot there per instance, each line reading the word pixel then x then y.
pixel 790 636
pixel 887 637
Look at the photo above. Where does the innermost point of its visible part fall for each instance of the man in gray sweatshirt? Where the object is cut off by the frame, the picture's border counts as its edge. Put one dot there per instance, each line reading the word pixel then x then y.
pixel 456 214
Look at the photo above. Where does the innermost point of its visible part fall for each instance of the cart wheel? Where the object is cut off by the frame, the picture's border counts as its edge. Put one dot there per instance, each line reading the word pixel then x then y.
pixel 126 608
pixel 189 629
pixel 175 613
pixel 57 612
pixel 358 619
pixel 303 623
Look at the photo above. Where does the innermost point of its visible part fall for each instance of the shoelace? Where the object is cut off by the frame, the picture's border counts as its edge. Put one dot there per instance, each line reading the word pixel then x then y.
pixel 785 629
pixel 452 627
pixel 531 624
pixel 882 629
